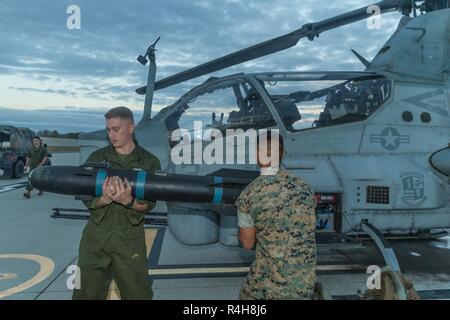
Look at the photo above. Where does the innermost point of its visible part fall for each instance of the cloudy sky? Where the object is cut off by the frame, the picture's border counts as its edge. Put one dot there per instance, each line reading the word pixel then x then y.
pixel 56 78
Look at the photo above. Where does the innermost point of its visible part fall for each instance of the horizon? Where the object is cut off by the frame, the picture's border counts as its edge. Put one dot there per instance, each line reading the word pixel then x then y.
pixel 48 69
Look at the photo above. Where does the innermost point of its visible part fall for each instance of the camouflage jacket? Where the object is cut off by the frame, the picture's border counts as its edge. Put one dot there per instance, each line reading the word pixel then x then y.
pixel 282 209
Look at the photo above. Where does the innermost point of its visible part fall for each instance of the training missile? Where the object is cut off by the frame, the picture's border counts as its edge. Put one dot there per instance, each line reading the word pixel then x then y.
pixel 221 187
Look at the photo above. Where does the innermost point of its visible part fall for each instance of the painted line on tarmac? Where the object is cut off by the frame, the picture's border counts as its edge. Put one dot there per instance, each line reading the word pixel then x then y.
pixel 12 187
pixel 8 276
pixel 46 267
pixel 231 270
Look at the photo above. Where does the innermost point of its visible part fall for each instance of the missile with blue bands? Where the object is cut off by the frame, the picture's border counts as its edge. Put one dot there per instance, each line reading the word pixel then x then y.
pixel 220 187
pixel 217 190
pixel 99 180
pixel 140 184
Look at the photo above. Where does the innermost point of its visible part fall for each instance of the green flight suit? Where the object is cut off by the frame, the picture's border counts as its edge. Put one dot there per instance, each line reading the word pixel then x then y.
pixel 113 241
pixel 36 156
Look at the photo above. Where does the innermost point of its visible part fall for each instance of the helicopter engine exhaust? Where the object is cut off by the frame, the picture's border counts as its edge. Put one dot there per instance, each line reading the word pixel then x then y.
pixel 221 187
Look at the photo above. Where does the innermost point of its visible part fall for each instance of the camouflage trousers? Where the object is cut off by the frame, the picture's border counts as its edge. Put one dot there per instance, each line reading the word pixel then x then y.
pixel 249 292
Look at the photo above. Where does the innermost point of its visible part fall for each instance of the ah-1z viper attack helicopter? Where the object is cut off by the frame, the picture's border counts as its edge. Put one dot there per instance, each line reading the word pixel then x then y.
pixel 363 140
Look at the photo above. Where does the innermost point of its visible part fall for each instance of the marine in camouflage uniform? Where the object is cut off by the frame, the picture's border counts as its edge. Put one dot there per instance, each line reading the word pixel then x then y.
pixel 281 207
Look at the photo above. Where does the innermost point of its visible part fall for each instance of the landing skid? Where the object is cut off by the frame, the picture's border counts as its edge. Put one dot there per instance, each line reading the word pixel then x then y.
pixel 385 248
pixel 428 235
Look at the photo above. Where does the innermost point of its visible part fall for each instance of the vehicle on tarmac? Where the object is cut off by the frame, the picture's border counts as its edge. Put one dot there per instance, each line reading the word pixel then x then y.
pixel 15 143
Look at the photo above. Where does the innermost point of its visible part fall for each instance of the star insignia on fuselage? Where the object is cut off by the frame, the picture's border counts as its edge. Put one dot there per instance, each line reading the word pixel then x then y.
pixel 389 138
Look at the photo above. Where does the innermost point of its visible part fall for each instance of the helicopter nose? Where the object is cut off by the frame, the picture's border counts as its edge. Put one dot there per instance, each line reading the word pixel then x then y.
pixel 440 160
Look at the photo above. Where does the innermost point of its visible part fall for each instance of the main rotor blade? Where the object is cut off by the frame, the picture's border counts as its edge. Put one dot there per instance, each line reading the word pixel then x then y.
pixel 310 30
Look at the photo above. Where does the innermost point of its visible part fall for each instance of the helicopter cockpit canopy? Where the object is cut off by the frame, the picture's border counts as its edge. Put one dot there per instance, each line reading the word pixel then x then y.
pixel 303 100
pixel 219 103
pixel 325 99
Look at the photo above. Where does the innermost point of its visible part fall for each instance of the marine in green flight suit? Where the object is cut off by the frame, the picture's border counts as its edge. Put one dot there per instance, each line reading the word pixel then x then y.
pixel 113 241
pixel 36 157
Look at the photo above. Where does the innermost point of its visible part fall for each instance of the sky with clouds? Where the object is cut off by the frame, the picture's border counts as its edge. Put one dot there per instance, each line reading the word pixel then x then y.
pixel 56 78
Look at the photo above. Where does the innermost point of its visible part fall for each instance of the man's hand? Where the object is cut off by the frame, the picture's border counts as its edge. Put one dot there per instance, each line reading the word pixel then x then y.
pixel 105 199
pixel 119 191
pixel 26 169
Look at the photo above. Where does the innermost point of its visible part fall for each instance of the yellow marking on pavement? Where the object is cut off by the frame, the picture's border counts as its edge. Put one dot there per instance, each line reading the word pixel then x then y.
pixel 175 271
pixel 46 267
pixel 150 234
pixel 222 270
pixel 114 293
pixel 7 276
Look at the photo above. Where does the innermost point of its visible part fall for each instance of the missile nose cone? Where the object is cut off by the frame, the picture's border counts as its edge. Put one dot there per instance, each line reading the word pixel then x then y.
pixel 440 160
pixel 38 175
pixel 32 175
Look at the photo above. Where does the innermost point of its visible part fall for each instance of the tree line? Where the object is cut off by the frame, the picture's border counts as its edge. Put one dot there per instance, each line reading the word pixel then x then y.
pixel 56 134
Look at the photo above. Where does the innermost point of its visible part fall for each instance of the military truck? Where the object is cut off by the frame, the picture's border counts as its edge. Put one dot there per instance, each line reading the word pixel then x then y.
pixel 14 146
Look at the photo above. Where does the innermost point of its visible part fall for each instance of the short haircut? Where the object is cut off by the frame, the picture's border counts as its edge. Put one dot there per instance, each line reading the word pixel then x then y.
pixel 120 112
pixel 270 135
pixel 37 137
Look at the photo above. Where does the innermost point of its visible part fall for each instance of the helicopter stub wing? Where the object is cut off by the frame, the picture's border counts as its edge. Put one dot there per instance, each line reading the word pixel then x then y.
pixel 309 30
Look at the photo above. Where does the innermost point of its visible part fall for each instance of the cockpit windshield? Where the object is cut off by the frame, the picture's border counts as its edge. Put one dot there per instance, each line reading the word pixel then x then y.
pixel 314 104
pixel 230 104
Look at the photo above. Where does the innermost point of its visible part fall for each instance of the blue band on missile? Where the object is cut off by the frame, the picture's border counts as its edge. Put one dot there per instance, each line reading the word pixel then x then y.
pixel 218 192
pixel 140 184
pixel 99 180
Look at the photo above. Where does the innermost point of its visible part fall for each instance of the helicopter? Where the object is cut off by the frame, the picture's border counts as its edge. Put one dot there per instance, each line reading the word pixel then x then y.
pixel 361 139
